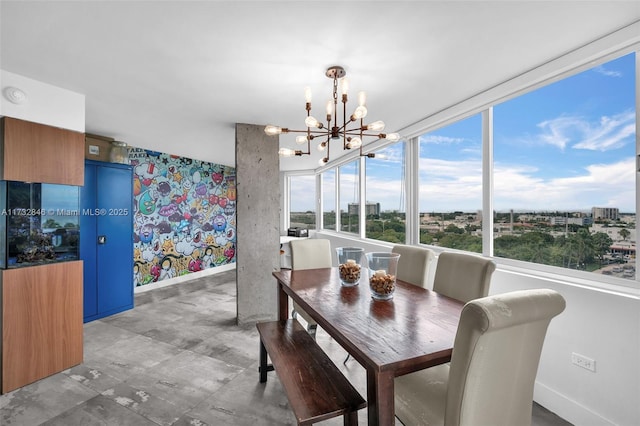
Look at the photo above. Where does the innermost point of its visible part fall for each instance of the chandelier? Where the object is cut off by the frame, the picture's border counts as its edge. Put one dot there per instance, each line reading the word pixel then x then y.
pixel 351 131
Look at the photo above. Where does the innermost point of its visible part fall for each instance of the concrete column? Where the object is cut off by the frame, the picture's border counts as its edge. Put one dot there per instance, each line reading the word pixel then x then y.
pixel 257 223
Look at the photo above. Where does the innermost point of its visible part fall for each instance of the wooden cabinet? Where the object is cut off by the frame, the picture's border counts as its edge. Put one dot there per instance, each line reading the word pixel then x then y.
pixel 41 322
pixel 33 152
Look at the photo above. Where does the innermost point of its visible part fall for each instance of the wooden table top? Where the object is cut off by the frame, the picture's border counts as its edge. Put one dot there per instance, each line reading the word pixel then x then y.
pixel 414 330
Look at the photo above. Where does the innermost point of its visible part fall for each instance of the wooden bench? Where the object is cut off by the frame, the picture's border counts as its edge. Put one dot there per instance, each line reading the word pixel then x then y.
pixel 316 389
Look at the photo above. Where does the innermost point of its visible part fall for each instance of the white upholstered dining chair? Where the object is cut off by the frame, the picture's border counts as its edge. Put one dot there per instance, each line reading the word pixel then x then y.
pixel 462 276
pixel 310 253
pixel 493 367
pixel 413 265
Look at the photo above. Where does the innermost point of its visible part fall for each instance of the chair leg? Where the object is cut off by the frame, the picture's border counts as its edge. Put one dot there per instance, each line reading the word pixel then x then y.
pixel 311 329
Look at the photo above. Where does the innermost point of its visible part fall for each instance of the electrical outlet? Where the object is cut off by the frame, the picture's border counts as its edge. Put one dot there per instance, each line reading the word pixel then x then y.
pixel 583 361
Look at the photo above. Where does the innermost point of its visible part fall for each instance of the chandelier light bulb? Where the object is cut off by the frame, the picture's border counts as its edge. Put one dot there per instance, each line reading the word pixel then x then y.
pixel 344 86
pixel 329 107
pixel 360 112
pixel 362 98
pixel 393 137
pixel 302 139
pixel 322 146
pixel 307 94
pixel 376 126
pixel 355 143
pixel 272 130
pixel 311 122
pixel 286 152
pixel 322 161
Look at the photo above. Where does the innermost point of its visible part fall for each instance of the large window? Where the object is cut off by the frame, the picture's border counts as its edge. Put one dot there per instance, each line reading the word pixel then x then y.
pixel 349 197
pixel 302 201
pixel 329 199
pixel 450 179
pixel 385 205
pixel 564 172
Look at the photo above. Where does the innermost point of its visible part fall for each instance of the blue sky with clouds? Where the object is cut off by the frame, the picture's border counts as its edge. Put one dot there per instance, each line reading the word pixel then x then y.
pixel 569 145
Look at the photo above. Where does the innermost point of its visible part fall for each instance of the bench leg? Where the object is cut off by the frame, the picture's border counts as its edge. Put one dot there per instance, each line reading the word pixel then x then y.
pixel 351 418
pixel 263 363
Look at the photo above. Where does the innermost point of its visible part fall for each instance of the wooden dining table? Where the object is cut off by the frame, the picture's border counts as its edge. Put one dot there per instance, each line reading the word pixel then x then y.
pixel 412 331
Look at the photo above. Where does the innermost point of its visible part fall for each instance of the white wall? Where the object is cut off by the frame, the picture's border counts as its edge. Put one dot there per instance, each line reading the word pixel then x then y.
pixel 602 325
pixel 46 104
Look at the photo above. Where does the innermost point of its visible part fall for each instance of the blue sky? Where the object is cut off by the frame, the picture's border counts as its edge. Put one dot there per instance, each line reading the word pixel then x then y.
pixel 569 145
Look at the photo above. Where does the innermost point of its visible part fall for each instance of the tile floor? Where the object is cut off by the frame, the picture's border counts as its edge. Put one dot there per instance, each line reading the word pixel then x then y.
pixel 178 358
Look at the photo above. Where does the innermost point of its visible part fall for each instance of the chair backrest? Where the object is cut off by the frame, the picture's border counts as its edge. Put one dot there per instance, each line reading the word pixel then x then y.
pixel 463 276
pixel 413 265
pixel 495 357
pixel 310 253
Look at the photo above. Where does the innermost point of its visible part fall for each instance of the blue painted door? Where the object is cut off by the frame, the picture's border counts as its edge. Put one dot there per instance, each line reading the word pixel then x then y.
pixel 115 238
pixel 106 233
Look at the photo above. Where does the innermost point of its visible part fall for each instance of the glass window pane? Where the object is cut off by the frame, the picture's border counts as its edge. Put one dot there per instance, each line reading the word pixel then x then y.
pixel 450 179
pixel 329 199
pixel 349 200
pixel 385 207
pixel 302 201
pixel 565 191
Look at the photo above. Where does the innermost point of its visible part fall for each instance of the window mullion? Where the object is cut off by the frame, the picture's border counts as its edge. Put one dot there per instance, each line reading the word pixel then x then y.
pixel 487 182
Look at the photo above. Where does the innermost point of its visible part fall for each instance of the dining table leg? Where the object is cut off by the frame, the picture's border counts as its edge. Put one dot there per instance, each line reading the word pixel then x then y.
pixel 283 303
pixel 380 398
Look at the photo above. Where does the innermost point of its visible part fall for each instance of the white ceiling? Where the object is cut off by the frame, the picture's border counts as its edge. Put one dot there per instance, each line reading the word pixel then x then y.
pixel 175 76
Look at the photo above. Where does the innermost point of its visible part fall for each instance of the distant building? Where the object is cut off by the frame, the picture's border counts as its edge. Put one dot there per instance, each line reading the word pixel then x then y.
pixel 369 209
pixel 575 219
pixel 614 232
pixel 610 213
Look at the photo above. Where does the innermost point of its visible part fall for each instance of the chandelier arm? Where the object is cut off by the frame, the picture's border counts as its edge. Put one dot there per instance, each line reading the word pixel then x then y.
pixel 326 158
pixel 343 128
pixel 309 131
pixel 377 135
pixel 361 135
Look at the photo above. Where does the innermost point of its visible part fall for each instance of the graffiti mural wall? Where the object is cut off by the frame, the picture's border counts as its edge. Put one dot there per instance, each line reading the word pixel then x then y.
pixel 184 218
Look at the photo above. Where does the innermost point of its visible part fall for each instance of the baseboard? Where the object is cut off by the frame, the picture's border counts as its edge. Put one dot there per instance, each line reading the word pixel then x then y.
pixel 566 408
pixel 187 277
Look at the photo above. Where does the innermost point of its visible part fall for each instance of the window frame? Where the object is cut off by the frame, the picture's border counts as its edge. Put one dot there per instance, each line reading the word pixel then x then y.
pixel 597 53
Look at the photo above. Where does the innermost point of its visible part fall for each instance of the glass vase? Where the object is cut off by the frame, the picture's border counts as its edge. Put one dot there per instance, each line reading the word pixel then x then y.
pixel 383 268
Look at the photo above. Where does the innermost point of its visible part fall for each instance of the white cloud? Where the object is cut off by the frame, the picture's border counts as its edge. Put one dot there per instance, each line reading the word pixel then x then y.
pixel 605 185
pixel 303 193
pixel 609 73
pixel 437 139
pixel 558 131
pixel 610 132
pixel 450 185
pixel 457 185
